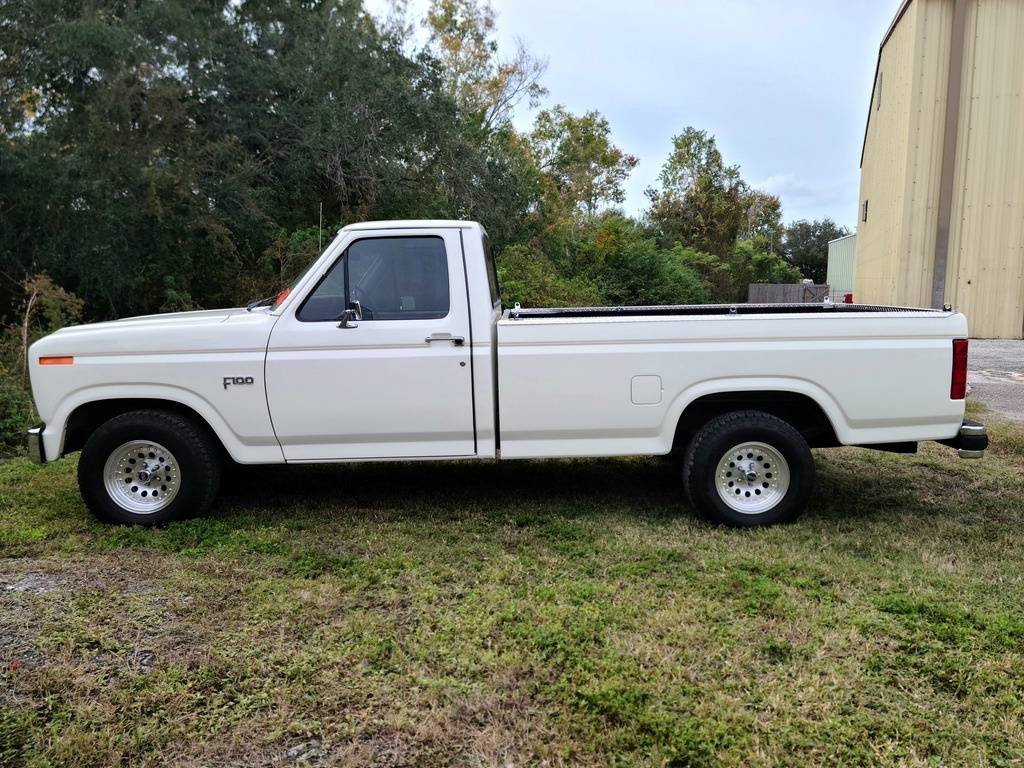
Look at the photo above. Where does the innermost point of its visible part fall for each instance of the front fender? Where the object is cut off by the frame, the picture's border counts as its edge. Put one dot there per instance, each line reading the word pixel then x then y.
pixel 248 437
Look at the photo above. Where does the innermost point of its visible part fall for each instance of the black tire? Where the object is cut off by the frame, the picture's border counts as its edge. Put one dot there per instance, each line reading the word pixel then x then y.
pixel 747 469
pixel 148 468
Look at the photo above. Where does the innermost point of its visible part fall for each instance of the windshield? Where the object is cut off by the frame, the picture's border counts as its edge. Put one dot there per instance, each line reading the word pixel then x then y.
pixel 298 279
pixel 302 274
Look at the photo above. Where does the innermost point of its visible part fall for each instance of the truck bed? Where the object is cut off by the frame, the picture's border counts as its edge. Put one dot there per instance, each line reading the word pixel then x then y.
pixel 605 381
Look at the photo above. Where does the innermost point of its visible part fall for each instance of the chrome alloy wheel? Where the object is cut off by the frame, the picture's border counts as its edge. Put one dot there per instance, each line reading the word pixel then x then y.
pixel 141 476
pixel 752 478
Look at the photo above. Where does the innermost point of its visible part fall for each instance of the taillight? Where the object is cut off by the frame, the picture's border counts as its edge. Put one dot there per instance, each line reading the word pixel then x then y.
pixel 958 383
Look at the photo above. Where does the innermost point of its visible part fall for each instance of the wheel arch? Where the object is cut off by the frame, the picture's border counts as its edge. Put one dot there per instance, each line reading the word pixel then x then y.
pixel 87 417
pixel 799 409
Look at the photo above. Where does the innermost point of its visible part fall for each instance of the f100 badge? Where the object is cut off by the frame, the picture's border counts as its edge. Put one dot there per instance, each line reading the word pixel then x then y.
pixel 234 381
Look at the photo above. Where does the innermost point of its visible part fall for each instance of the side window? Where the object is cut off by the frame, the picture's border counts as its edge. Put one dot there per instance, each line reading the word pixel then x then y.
pixel 392 278
pixel 327 302
pixel 492 272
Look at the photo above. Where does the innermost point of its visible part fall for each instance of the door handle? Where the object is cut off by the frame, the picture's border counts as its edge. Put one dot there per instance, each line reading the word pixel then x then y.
pixel 457 341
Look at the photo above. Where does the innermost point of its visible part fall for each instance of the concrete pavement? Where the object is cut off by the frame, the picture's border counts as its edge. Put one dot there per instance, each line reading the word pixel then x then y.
pixel 996 375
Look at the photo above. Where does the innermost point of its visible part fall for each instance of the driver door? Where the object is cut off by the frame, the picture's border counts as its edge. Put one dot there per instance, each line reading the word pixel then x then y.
pixel 374 363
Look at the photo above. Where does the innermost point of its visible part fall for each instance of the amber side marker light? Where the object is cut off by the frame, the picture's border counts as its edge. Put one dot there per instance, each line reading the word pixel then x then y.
pixel 56 360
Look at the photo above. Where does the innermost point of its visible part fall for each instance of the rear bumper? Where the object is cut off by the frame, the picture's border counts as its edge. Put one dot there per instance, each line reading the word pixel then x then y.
pixel 36 451
pixel 971 442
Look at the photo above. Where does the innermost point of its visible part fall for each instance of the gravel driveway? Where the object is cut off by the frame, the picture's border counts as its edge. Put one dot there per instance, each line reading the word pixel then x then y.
pixel 996 375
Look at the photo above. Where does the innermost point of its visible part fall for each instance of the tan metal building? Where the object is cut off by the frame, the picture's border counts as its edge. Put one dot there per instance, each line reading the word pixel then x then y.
pixel 942 168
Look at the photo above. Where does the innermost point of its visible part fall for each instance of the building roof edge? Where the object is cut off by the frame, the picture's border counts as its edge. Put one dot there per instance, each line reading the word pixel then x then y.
pixel 878 63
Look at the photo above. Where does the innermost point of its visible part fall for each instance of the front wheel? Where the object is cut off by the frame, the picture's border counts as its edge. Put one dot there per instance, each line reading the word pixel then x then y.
pixel 148 467
pixel 748 468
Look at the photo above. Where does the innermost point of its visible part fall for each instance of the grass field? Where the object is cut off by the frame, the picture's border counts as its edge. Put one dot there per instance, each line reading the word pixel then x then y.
pixel 510 614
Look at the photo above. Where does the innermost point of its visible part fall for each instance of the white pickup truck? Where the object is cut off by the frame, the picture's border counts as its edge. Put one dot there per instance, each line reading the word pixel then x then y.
pixel 393 345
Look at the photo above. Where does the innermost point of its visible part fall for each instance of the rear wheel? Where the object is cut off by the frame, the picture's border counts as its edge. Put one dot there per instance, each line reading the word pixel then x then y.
pixel 148 467
pixel 748 468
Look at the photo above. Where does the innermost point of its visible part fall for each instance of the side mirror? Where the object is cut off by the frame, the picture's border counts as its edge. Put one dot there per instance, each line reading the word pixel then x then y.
pixel 351 315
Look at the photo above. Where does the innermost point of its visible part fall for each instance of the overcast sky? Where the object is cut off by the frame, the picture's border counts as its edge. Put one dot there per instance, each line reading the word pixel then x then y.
pixel 783 85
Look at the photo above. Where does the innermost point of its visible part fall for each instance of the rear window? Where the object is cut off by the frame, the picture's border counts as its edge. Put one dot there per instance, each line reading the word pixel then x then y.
pixel 492 272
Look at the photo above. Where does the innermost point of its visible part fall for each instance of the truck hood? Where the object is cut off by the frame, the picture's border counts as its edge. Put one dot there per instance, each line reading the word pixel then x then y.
pixel 225 330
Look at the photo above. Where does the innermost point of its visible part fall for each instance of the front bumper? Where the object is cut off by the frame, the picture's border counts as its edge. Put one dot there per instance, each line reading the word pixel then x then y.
pixel 36 451
pixel 971 442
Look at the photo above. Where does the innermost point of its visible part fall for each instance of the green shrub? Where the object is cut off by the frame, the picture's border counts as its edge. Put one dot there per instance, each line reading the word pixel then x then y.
pixel 45 308
pixel 533 281
pixel 16 414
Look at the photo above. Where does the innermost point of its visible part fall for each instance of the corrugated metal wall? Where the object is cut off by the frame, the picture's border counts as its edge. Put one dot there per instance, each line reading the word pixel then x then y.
pixel 928 73
pixel 986 255
pixel 841 252
pixel 884 168
pixel 901 166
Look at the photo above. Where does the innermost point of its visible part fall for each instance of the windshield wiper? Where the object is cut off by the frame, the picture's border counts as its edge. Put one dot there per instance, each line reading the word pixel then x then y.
pixel 253 304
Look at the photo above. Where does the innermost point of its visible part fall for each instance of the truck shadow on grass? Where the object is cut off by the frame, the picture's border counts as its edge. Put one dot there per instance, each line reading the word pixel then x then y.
pixel 455 488
pixel 852 485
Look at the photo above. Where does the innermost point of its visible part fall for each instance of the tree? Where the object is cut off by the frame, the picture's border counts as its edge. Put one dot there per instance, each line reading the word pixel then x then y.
pixel 715 274
pixel 729 232
pixel 750 263
pixel 805 246
pixel 700 201
pixel 581 168
pixel 578 171
pixel 636 272
pixel 486 87
pixel 154 153
pixel 530 279
pixel 763 220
